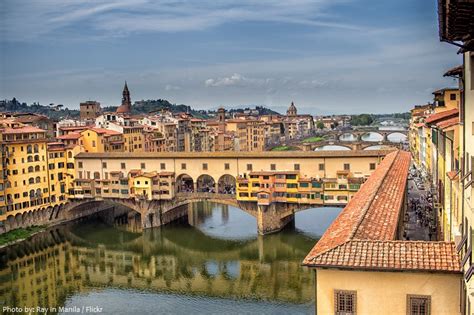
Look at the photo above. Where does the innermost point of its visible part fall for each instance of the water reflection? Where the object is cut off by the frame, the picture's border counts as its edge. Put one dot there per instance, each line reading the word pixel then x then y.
pixel 213 258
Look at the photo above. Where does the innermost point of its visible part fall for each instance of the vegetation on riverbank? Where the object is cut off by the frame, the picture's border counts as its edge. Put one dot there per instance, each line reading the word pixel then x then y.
pixel 19 234
pixel 313 139
pixel 284 148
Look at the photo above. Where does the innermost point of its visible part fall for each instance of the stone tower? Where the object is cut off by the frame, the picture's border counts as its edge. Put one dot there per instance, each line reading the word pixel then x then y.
pixel 126 106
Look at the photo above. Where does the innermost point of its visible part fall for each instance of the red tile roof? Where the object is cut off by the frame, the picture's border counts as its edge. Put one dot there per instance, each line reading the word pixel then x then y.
pixel 442 115
pixel 363 235
pixel 391 255
pixel 25 129
pixel 448 123
pixel 70 136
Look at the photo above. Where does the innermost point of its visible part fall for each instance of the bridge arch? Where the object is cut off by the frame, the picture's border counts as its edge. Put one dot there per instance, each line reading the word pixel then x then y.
pixel 226 184
pixel 184 183
pixel 364 136
pixel 206 183
pixel 347 136
pixel 392 136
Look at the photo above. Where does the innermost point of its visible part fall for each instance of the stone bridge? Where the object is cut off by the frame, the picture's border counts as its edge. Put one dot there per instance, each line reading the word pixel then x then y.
pixel 154 213
pixel 352 145
pixel 359 133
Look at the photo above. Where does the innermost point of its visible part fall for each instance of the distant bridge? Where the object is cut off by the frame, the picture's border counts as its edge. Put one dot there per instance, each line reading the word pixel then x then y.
pixel 359 133
pixel 352 145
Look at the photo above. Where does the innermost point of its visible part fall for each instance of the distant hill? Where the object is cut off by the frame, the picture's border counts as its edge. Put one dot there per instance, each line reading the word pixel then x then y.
pixel 262 110
pixel 53 112
pixel 155 106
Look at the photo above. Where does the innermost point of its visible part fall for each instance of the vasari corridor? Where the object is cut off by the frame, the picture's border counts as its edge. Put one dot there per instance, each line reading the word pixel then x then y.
pixel 237 157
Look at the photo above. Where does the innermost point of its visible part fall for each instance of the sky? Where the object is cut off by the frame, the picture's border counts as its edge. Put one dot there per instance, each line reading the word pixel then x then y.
pixel 328 56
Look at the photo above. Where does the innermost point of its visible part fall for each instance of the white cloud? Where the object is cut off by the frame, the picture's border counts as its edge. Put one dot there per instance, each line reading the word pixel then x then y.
pixel 27 20
pixel 236 80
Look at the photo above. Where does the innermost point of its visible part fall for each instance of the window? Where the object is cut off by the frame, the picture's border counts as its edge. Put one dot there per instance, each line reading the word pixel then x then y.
pixel 345 302
pixel 104 164
pixel 183 166
pixel 249 167
pixel 227 166
pixel 122 166
pixel 142 166
pixel 80 164
pixel 452 96
pixel 273 167
pixel 297 167
pixel 418 304
pixel 372 166
pixel 204 166
pixel 347 166
pixel 321 166
pixel 162 166
pixel 93 143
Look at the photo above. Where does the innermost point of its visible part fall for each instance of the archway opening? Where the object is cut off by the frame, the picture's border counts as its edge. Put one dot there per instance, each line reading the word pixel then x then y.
pixel 347 136
pixel 226 184
pixel 206 183
pixel 372 137
pixel 397 137
pixel 184 183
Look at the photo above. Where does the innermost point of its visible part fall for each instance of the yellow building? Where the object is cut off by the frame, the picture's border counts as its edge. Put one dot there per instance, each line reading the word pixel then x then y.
pixel 102 140
pixel 27 175
pixel 446 99
pixel 364 267
pixel 455 26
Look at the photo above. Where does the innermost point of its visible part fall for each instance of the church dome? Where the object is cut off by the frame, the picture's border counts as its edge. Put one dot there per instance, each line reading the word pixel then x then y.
pixel 292 111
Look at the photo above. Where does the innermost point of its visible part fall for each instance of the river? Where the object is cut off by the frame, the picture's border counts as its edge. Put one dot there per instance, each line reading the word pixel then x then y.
pixel 213 261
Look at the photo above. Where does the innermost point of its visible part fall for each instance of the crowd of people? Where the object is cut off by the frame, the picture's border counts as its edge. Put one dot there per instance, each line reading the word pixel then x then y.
pixel 420 209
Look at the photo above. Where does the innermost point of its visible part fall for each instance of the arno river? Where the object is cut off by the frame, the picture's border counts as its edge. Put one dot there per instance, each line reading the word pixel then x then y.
pixel 211 262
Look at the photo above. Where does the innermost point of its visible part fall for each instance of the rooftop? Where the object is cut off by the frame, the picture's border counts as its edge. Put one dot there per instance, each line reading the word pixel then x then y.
pixel 237 154
pixel 25 129
pixel 442 115
pixel 363 236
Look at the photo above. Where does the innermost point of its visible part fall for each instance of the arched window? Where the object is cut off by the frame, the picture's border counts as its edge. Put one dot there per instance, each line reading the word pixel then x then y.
pixel 29 149
pixel 30 169
pixel 37 168
pixel 30 158
pixel 37 158
pixel 36 148
pixel 8 184
pixel 31 180
pixel 96 175
pixel 38 179
pixel 69 155
pixel 38 192
pixel 32 193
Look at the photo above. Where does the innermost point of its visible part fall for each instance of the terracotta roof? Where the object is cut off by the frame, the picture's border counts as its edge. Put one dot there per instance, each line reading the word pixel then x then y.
pixel 454 71
pixel 237 154
pixel 25 129
pixel 70 136
pixel 166 173
pixel 392 255
pixel 363 235
pixel 448 123
pixel 104 131
pixel 442 115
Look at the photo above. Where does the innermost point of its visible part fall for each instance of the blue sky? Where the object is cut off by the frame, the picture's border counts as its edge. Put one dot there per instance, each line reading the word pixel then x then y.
pixel 328 56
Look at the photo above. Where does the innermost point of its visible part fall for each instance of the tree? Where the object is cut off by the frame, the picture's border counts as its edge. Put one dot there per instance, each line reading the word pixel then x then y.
pixel 320 125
